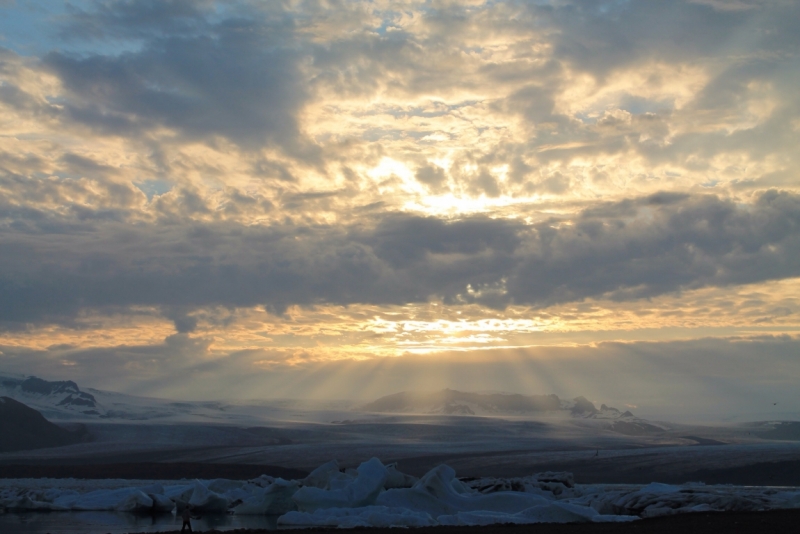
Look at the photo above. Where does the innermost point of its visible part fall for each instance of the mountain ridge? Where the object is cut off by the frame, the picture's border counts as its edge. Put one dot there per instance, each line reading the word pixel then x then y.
pixel 454 402
pixel 450 401
pixel 23 428
pixel 64 394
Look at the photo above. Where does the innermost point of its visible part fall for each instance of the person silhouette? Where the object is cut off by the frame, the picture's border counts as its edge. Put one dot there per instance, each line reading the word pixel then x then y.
pixel 187 518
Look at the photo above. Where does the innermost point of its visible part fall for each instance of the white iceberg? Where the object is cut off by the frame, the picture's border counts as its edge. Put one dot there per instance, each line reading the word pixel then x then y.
pixel 554 512
pixel 275 499
pixel 206 501
pixel 320 477
pixel 123 500
pixel 440 493
pixel 375 495
pixel 362 491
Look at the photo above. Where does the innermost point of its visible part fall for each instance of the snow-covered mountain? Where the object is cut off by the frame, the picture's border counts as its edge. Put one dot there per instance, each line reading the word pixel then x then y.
pixel 65 393
pixel 60 396
pixel 65 400
pixel 453 402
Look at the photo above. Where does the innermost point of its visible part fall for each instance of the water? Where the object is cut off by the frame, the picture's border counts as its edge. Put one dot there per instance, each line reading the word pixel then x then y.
pixel 121 523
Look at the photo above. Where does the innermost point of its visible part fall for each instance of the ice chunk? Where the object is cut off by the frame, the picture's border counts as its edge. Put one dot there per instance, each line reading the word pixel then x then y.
pixel 25 503
pixel 319 477
pixel 656 499
pixel 340 480
pixel 161 503
pixel 357 497
pixel 238 494
pixel 658 487
pixel 435 494
pixel 65 499
pixel 557 483
pixel 206 501
pixel 554 512
pixel 157 489
pixel 396 479
pixel 223 485
pixel 123 500
pixel 136 502
pixel 558 512
pixel 179 495
pixel 368 516
pixel 360 492
pixel 275 499
pixel 263 481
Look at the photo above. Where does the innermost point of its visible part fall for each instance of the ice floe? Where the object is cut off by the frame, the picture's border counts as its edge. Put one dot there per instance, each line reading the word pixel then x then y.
pixel 380 495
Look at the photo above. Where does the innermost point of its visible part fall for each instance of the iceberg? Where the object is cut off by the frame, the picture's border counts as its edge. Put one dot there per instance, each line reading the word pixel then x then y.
pixel 321 476
pixel 275 499
pixel 396 479
pixel 204 500
pixel 362 491
pixel 121 500
pixel 439 492
pixel 378 495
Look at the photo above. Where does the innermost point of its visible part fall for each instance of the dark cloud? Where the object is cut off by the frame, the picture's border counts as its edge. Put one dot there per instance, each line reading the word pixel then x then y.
pixel 184 323
pixel 243 71
pixel 432 176
pixel 702 241
pixel 629 250
pixel 136 19
pixel 599 37
pixel 235 77
pixel 403 240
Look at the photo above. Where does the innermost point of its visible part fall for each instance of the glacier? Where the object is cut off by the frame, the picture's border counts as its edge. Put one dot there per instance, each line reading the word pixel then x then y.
pixel 380 495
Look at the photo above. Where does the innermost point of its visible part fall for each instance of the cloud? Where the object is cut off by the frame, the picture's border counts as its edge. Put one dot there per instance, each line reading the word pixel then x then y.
pixel 699 242
pixel 236 77
pixel 177 163
pixel 630 250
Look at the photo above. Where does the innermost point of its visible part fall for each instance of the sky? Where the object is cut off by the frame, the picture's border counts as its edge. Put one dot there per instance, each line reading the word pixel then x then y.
pixel 346 199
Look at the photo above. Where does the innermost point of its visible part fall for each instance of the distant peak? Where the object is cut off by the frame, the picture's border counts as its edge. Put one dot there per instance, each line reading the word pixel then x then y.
pixel 43 387
pixel 583 406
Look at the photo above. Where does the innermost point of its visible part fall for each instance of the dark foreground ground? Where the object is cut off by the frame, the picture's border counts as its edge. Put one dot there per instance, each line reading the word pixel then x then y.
pixel 774 522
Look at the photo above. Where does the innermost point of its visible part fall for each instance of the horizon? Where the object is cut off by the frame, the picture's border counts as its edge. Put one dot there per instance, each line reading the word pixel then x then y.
pixel 655 413
pixel 246 200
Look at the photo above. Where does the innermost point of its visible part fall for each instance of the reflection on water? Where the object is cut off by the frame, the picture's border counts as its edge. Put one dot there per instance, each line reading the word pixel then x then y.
pixel 119 523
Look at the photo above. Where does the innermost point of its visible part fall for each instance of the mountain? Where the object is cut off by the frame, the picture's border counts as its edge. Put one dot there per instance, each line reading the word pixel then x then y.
pixel 65 401
pixel 23 428
pixel 64 394
pixel 74 396
pixel 452 402
pixel 625 422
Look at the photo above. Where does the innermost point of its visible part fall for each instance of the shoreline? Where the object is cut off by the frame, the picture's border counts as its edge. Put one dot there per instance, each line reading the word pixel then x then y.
pixel 773 521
